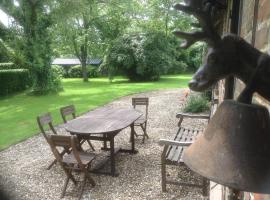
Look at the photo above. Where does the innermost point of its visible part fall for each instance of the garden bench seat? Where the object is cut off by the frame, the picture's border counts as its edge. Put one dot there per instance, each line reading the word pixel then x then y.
pixel 173 151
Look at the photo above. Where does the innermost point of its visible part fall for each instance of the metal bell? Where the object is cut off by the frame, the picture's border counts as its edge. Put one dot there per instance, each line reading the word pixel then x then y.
pixel 235 148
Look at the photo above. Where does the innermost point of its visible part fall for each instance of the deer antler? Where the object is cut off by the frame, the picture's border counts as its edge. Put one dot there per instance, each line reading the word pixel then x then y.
pixel 203 11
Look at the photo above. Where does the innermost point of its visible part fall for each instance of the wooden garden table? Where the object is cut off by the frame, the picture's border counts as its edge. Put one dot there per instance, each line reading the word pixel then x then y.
pixel 104 124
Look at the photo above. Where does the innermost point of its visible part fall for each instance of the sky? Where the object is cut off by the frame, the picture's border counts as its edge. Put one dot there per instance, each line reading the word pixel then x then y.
pixel 3 18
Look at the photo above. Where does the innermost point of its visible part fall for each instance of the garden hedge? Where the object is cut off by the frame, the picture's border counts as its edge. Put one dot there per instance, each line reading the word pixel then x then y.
pixel 13 80
pixel 6 66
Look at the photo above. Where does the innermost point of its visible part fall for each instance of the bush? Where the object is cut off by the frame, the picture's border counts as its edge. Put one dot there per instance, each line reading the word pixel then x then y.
pixel 58 70
pixel 76 71
pixel 6 66
pixel 14 80
pixel 196 104
pixel 55 79
pixel 92 72
pixel 53 82
pixel 195 56
pixel 140 56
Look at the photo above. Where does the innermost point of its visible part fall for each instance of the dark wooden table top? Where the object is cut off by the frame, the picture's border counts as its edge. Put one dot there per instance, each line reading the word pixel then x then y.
pixel 103 120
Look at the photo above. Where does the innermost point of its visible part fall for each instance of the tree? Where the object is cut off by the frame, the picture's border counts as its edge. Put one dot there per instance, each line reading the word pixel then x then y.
pixel 78 26
pixel 32 19
pixel 89 27
pixel 141 56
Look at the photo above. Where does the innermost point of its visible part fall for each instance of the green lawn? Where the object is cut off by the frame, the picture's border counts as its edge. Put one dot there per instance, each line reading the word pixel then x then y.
pixel 18 113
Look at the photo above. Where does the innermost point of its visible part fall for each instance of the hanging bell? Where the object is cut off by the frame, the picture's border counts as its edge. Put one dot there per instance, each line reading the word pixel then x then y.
pixel 234 150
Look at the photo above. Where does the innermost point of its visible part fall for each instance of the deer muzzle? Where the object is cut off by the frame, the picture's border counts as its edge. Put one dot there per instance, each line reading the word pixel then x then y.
pixel 200 85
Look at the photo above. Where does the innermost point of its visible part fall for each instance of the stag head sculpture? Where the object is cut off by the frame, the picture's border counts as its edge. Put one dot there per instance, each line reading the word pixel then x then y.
pixel 227 55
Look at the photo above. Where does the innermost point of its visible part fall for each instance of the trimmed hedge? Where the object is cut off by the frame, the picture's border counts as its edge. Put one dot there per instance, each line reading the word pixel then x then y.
pixel 13 80
pixel 6 66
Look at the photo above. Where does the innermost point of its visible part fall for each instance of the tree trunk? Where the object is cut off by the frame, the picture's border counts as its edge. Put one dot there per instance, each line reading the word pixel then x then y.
pixel 84 72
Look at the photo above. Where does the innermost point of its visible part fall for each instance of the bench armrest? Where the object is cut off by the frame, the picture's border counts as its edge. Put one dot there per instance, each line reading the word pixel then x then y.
pixel 194 116
pixel 163 142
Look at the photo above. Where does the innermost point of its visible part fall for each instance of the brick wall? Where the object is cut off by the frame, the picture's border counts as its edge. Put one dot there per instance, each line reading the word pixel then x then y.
pixel 262 42
pixel 262 35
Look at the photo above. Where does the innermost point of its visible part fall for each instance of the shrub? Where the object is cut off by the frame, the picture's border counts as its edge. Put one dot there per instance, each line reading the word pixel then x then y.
pixel 55 79
pixel 53 83
pixel 196 104
pixel 92 71
pixel 58 70
pixel 6 66
pixel 140 56
pixel 76 71
pixel 14 80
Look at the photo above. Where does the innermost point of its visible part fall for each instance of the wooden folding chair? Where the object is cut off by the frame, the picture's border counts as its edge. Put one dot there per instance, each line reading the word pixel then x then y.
pixel 76 160
pixel 142 121
pixel 69 111
pixel 46 120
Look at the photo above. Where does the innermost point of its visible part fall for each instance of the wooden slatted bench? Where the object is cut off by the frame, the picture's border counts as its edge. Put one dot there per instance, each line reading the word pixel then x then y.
pixel 173 151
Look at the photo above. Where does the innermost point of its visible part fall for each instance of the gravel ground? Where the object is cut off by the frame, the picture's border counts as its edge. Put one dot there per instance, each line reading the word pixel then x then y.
pixel 23 173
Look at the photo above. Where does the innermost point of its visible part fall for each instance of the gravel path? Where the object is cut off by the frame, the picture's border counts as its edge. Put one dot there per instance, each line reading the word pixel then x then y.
pixel 24 176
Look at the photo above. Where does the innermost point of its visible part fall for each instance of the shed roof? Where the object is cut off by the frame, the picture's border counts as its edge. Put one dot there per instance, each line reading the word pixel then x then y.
pixel 76 61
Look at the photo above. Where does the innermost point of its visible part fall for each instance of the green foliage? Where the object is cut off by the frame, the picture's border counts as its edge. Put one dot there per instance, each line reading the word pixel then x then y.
pixel 32 42
pixel 194 56
pixel 5 66
pixel 55 81
pixel 58 70
pixel 196 104
pixel 140 56
pixel 13 80
pixel 76 71
pixel 92 71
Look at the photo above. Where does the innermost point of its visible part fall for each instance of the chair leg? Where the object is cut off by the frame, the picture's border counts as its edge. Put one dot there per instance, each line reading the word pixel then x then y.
pixel 91 180
pixel 163 168
pixel 145 131
pixel 83 186
pixel 163 176
pixel 65 187
pixel 90 144
pixel 53 163
pixel 135 134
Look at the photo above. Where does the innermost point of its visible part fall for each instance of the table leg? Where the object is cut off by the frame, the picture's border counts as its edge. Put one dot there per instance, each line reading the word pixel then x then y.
pixel 132 138
pixel 112 158
pixel 105 142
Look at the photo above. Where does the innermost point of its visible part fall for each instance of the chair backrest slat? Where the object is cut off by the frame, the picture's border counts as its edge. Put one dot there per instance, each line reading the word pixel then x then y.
pixel 67 142
pixel 141 101
pixel 45 120
pixel 66 111
pixel 59 141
